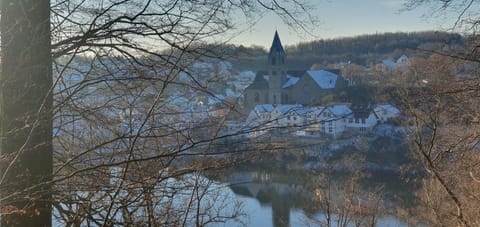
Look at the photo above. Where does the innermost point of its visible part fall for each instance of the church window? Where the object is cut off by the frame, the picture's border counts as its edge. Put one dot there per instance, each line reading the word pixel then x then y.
pixel 274 99
pixel 257 97
pixel 274 61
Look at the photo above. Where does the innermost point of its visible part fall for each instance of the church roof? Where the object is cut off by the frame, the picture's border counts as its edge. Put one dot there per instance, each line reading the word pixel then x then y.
pixel 276 47
pixel 259 82
pixel 324 79
pixel 291 80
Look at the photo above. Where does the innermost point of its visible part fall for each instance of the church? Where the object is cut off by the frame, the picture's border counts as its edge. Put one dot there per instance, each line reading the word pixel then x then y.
pixel 277 85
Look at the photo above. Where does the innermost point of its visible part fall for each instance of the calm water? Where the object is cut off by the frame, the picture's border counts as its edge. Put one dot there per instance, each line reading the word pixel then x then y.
pixel 278 196
pixel 282 198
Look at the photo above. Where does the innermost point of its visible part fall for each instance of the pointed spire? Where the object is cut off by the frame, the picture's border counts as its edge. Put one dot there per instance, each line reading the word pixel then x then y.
pixel 276 57
pixel 276 48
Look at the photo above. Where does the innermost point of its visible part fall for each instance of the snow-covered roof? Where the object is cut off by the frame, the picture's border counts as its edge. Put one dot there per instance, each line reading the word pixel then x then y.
pixel 316 109
pixel 298 108
pixel 324 79
pixel 292 80
pixel 402 59
pixel 387 108
pixel 289 107
pixel 263 108
pixel 230 93
pixel 245 76
pixel 389 63
pixel 340 110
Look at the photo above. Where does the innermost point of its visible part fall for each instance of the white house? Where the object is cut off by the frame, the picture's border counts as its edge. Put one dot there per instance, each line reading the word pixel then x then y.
pixel 261 113
pixel 388 64
pixel 362 120
pixel 386 112
pixel 259 119
pixel 334 119
pixel 288 115
pixel 331 120
pixel 402 61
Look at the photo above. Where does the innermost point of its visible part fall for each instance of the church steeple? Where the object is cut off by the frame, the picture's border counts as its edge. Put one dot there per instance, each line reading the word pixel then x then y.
pixel 276 56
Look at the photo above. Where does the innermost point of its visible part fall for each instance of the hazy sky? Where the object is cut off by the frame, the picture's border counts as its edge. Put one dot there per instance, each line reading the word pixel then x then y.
pixel 340 18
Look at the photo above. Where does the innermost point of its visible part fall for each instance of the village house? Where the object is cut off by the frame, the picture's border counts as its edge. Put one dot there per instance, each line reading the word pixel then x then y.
pixel 385 112
pixel 331 120
pixel 362 120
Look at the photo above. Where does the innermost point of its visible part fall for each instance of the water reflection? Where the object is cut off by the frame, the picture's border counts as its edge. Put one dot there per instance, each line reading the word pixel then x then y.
pixel 281 197
pixel 293 200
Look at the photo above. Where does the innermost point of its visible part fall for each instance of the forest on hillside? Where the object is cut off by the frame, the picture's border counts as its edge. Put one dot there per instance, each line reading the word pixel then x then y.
pixel 362 50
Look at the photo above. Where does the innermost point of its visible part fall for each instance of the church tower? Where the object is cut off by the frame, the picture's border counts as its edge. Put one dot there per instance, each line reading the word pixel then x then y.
pixel 276 76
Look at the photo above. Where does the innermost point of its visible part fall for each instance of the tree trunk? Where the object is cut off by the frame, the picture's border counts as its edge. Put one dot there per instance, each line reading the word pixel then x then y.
pixel 25 113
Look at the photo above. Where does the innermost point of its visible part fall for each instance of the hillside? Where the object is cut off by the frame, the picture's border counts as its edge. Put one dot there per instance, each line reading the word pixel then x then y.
pixel 363 50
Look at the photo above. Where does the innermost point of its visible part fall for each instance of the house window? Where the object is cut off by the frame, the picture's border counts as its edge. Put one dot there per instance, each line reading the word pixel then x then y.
pixel 350 120
pixel 288 118
pixel 274 72
pixel 274 99
pixel 356 120
pixel 363 121
pixel 294 118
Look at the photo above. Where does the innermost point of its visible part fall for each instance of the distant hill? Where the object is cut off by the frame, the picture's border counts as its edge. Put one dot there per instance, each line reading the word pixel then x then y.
pixel 366 49
pixel 363 49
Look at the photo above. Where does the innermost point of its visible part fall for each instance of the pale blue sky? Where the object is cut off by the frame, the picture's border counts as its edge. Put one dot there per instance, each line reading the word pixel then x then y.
pixel 341 18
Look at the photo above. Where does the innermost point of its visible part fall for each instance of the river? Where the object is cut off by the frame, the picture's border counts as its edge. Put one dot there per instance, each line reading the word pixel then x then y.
pixel 288 198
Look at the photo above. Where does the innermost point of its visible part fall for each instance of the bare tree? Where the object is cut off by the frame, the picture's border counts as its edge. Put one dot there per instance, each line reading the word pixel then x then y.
pixel 443 125
pixel 127 136
pixel 443 108
pixel 344 202
pixel 26 113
